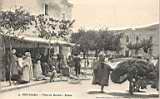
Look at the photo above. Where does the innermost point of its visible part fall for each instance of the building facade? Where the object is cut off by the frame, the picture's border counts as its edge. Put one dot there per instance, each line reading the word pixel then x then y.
pixel 138 35
pixel 54 8
pixel 58 9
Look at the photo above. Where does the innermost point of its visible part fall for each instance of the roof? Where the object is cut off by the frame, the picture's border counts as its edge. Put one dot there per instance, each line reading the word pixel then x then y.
pixel 41 40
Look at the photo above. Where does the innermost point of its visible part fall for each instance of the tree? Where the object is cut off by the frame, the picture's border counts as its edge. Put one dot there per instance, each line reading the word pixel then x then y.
pixel 86 42
pixel 97 41
pixel 74 39
pixel 12 23
pixel 111 41
pixel 116 43
pixel 15 21
pixel 135 46
pixel 50 28
pixel 147 45
pixel 75 36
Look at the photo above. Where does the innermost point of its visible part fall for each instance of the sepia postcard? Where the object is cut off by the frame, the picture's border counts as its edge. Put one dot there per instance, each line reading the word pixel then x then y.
pixel 79 49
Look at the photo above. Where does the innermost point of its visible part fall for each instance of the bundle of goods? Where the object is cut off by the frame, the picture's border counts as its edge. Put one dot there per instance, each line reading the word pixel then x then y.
pixel 133 68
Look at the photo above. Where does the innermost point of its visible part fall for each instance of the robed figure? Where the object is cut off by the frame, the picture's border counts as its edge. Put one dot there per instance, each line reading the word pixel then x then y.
pixel 101 72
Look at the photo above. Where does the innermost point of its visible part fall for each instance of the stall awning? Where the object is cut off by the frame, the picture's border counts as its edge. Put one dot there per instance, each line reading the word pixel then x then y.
pixel 29 42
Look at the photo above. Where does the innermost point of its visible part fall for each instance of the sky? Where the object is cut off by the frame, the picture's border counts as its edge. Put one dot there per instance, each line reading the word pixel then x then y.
pixel 116 14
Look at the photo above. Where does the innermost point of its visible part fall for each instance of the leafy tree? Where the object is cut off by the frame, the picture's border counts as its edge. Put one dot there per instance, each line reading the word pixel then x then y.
pixel 75 36
pixel 97 41
pixel 111 41
pixel 86 42
pixel 135 46
pixel 12 23
pixel 147 45
pixel 15 21
pixel 51 28
pixel 116 43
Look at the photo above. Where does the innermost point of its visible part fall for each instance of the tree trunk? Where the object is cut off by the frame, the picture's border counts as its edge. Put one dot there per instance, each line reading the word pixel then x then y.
pixel 97 52
pixel 131 87
pixel 49 51
pixel 10 49
pixel 84 54
pixel 4 56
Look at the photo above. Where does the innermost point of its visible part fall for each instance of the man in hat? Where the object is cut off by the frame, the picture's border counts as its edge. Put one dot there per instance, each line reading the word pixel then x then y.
pixel 101 72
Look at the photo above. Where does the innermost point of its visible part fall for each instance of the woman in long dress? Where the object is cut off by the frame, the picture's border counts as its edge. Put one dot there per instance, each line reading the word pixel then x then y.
pixel 37 71
pixel 101 72
pixel 24 77
pixel 29 60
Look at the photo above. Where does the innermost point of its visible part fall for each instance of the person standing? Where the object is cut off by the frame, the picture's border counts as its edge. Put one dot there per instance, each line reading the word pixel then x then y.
pixel 28 60
pixel 38 71
pixel 77 64
pixel 14 74
pixel 53 75
pixel 157 76
pixel 101 72
pixel 24 77
pixel 60 60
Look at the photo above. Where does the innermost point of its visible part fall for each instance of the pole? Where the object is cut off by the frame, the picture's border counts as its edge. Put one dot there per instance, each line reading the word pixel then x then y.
pixel 10 65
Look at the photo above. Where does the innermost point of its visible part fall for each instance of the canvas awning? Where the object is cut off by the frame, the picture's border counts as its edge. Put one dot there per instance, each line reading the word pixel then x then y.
pixel 29 42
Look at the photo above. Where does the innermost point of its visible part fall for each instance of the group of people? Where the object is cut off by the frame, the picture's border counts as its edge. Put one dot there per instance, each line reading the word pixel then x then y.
pixel 23 68
pixel 72 64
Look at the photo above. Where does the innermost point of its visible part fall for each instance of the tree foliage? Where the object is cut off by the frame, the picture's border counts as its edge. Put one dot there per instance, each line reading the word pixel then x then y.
pixel 49 27
pixel 135 46
pixel 15 21
pixel 145 44
pixel 97 40
pixel 11 23
pixel 19 21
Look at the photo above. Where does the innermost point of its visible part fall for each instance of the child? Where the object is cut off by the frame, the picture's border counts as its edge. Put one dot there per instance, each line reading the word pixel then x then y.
pixel 53 75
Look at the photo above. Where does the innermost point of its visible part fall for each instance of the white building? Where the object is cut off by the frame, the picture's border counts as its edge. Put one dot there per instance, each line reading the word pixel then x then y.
pixel 54 8
pixel 130 36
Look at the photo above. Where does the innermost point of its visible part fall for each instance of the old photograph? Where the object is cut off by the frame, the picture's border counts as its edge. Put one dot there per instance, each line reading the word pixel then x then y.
pixel 79 49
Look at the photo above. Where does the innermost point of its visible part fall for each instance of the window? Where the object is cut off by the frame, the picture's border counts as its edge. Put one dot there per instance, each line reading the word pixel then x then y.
pixel 46 9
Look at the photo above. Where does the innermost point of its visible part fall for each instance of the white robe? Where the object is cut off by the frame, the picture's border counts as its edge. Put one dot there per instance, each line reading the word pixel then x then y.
pixel 25 69
pixel 38 71
pixel 29 62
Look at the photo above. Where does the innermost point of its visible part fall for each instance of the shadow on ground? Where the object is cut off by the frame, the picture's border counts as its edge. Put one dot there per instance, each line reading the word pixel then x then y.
pixel 135 95
pixel 96 92
pixel 125 95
